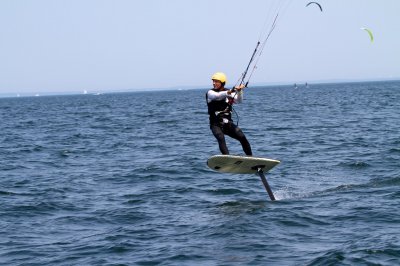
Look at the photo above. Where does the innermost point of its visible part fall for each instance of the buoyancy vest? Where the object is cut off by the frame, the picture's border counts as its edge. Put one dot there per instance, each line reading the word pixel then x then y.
pixel 219 110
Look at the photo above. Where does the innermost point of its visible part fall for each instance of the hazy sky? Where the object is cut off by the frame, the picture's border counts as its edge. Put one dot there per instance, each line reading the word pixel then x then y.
pixel 104 45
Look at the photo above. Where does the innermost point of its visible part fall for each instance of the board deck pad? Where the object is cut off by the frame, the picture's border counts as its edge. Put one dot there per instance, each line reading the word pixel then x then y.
pixel 240 164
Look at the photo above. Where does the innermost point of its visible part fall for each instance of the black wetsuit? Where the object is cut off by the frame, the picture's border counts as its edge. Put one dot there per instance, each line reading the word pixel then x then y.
pixel 221 123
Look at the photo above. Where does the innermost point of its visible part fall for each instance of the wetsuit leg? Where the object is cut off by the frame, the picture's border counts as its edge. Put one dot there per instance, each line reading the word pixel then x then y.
pixel 235 132
pixel 219 135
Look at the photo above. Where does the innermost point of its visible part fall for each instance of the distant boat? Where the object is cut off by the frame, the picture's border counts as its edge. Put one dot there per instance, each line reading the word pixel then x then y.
pixel 85 92
pixel 37 95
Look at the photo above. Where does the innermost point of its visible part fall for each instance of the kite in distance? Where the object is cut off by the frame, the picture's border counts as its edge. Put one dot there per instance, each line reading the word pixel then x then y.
pixel 371 36
pixel 320 7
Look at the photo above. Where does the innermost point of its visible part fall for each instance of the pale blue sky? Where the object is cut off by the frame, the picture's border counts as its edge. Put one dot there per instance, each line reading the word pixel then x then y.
pixel 116 45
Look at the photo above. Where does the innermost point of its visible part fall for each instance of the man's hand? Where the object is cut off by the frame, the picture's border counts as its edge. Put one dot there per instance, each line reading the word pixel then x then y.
pixel 239 88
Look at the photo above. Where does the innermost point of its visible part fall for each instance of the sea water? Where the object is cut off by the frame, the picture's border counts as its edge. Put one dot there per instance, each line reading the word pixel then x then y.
pixel 121 179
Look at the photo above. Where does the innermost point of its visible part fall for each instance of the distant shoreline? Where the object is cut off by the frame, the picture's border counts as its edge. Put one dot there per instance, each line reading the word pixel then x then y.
pixel 175 88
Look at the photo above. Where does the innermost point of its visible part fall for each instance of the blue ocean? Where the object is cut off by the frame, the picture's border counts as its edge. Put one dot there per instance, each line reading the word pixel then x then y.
pixel 121 179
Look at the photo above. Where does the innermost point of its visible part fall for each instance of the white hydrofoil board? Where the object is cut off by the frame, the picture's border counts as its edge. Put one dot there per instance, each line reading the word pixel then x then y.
pixel 240 164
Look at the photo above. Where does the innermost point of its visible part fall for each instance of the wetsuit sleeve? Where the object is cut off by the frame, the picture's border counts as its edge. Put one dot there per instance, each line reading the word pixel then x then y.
pixel 216 96
pixel 238 96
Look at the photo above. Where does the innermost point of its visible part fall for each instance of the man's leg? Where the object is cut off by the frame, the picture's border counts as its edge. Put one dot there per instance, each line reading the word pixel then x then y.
pixel 235 132
pixel 219 135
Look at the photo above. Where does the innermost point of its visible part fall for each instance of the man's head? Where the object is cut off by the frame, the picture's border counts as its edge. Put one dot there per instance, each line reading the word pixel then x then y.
pixel 219 80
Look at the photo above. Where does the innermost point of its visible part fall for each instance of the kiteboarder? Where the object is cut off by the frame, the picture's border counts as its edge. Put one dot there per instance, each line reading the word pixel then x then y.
pixel 219 102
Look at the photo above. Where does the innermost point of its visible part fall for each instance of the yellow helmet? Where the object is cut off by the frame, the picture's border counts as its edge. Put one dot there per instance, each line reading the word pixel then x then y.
pixel 219 76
